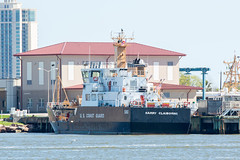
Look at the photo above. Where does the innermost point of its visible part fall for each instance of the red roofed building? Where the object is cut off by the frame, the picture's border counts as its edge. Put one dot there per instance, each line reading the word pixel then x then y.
pixel 163 65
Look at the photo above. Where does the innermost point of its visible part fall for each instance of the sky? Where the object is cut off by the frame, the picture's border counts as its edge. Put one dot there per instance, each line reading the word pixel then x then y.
pixel 208 31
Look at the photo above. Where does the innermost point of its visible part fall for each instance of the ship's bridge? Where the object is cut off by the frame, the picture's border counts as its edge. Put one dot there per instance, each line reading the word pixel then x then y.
pixel 97 75
pixel 94 70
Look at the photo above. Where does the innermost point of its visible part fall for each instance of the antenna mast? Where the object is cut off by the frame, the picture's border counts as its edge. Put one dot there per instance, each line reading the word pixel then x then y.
pixel 120 44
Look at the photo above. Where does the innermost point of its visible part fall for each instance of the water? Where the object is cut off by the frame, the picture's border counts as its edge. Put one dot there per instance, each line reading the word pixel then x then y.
pixel 55 146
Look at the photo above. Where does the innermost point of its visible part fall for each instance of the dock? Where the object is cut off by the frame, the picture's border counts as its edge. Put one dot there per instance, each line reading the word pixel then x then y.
pixel 39 124
pixel 199 124
pixel 215 125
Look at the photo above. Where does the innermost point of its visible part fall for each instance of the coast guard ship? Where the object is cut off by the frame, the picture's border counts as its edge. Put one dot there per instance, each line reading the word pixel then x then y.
pixel 118 100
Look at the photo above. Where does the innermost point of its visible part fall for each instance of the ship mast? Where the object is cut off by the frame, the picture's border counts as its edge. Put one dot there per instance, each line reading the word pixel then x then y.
pixel 120 44
pixel 232 80
pixel 57 87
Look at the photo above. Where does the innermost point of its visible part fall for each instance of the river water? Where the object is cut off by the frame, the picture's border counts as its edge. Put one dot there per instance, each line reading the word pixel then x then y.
pixel 63 146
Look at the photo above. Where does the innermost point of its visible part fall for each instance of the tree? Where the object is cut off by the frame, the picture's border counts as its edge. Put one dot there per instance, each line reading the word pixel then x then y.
pixel 184 80
pixel 208 86
pixel 190 80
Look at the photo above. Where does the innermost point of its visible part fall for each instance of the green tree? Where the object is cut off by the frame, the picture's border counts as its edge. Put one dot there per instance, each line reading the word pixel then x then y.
pixel 196 81
pixel 184 80
pixel 190 80
pixel 208 86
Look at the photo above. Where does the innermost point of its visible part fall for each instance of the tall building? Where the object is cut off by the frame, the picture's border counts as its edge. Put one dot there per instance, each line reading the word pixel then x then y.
pixel 18 28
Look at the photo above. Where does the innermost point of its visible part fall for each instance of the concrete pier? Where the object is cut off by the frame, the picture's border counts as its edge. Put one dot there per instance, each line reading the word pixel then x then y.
pixel 215 125
pixel 39 124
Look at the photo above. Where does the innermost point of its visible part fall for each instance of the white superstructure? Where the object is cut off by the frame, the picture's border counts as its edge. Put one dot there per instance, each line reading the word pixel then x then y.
pixel 118 87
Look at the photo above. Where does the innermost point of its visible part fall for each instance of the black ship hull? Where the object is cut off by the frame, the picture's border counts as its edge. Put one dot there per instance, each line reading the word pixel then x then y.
pixel 121 120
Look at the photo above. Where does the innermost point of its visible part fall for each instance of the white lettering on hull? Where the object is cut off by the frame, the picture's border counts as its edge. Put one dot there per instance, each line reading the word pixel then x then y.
pixel 162 113
pixel 99 115
pixel 91 115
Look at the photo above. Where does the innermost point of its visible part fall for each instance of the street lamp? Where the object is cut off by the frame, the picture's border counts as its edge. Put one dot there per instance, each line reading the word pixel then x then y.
pixel 48 71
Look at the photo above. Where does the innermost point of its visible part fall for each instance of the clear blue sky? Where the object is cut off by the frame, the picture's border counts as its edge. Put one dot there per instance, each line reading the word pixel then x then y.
pixel 207 31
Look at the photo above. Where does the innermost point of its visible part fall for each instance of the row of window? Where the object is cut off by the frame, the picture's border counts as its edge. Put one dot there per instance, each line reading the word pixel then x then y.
pixel 6 6
pixel 40 103
pixel 6 16
pixel 71 71
pixel 41 70
pixel 93 97
pixel 6 52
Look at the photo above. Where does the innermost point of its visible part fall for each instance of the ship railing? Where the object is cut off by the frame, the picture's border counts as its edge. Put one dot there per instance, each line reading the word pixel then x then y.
pixel 119 89
pixel 58 104
pixel 168 104
pixel 193 106
pixel 124 89
pixel 98 64
pixel 130 63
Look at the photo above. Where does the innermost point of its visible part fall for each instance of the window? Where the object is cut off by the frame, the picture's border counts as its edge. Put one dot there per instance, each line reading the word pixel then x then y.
pixel 87 97
pixel 85 76
pixel 41 73
pixel 41 102
pixel 71 70
pixel 29 104
pixel 29 73
pixel 29 82
pixel 95 74
pixel 113 73
pixel 170 71
pixel 17 15
pixel 166 95
pixel 53 72
pixel 133 84
pixel 100 97
pixel 94 97
pixel 140 70
pixel 31 16
pixel 155 70
pixel 3 104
